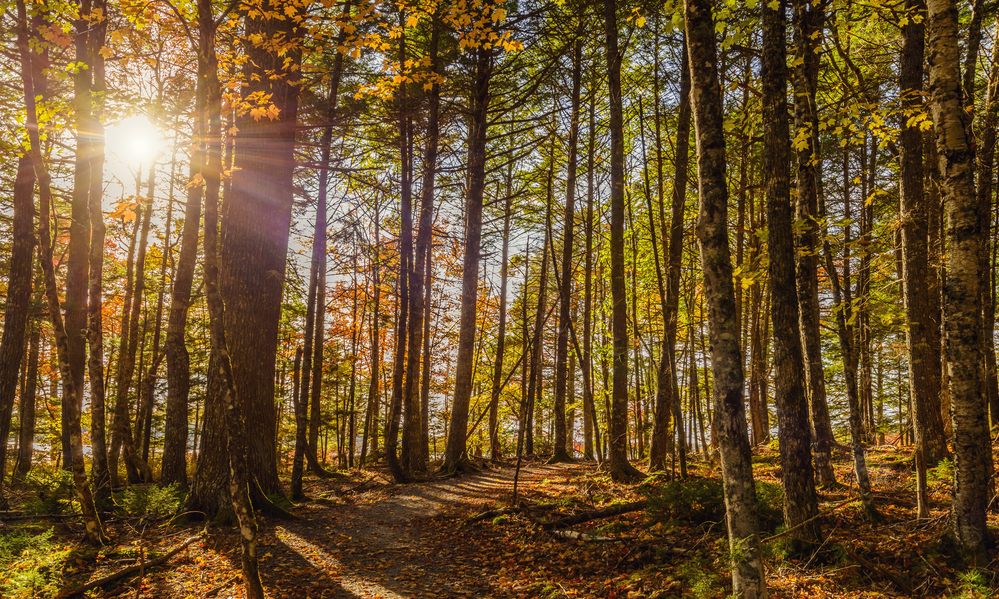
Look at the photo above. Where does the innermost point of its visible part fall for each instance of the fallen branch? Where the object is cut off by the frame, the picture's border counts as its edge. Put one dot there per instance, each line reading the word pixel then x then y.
pixel 572 535
pixel 884 573
pixel 127 571
pixel 605 512
pixel 804 522
pixel 521 509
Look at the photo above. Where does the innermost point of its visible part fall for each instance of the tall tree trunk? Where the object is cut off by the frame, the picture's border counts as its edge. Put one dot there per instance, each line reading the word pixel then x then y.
pixel 591 428
pixel 174 460
pixel 122 438
pixel 620 468
pixel 257 220
pixel 425 379
pixel 726 361
pixel 808 20
pixel 559 453
pixel 78 250
pixel 26 407
pixel 370 418
pixel 456 457
pixel 71 392
pixel 15 317
pixel 928 423
pixel 800 501
pixel 494 444
pixel 962 304
pixel 986 165
pixel 418 296
pixel 95 328
pixel 667 396
pixel 400 467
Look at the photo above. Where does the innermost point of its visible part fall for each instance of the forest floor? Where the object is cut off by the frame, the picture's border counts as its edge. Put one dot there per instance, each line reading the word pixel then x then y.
pixel 367 538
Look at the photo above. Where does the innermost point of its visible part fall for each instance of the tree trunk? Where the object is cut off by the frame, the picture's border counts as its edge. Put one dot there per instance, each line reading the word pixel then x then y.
pixel 925 394
pixel 808 20
pixel 800 501
pixel 962 304
pixel 456 457
pixel 257 219
pixel 91 520
pixel 986 166
pixel 591 426
pixel 668 395
pixel 726 361
pixel 494 444
pixel 620 468
pixel 370 418
pixel 174 461
pixel 26 407
pixel 15 318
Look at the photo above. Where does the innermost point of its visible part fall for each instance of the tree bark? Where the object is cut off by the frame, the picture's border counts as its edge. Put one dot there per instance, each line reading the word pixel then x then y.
pixel 620 468
pixel 808 21
pixel 15 317
pixel 494 444
pixel 962 299
pixel 559 453
pixel 800 501
pixel 456 456
pixel 726 361
pixel 91 520
pixel 924 386
pixel 257 220
pixel 26 407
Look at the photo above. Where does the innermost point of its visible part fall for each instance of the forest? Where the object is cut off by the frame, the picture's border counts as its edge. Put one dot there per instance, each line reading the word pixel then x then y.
pixel 496 298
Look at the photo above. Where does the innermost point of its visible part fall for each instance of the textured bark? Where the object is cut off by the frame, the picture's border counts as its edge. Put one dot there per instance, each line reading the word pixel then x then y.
pixel 924 386
pixel 962 300
pixel 800 501
pixel 257 220
pixel 456 456
pixel 232 405
pixel 95 329
pixel 419 293
pixel 425 380
pixel 726 359
pixel 808 19
pixel 15 318
pixel 620 468
pixel 534 380
pixel 71 393
pixel 559 453
pixel 78 249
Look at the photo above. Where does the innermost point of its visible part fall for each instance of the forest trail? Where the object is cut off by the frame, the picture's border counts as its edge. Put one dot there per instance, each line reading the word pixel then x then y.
pixel 385 543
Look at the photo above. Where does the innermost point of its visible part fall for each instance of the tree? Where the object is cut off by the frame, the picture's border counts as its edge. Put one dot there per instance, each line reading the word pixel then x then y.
pixel 800 502
pixel 620 468
pixel 726 358
pixel 962 303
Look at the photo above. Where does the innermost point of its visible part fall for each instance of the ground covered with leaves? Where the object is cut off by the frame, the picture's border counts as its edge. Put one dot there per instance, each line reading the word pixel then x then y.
pixel 360 536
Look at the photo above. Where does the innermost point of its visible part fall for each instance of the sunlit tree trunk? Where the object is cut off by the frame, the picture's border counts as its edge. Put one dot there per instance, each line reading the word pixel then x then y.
pixel 456 457
pixel 620 468
pixel 962 299
pixel 73 432
pixel 726 359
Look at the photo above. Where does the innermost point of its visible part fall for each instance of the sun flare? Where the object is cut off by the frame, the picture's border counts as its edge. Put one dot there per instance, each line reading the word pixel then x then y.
pixel 134 141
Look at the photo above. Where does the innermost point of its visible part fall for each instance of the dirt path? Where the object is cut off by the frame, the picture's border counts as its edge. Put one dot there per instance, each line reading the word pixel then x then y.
pixel 387 544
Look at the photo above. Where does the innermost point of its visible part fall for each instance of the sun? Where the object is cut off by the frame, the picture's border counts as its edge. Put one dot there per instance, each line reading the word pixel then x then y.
pixel 134 141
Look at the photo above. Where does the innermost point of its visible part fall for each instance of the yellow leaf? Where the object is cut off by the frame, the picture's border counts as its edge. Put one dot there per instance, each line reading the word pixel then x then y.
pixel 412 21
pixel 640 22
pixel 498 15
pixel 105 53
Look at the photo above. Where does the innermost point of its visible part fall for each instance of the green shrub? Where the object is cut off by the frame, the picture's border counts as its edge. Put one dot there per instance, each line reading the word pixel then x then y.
pixel 942 473
pixel 52 491
pixel 30 565
pixel 703 500
pixel 150 502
